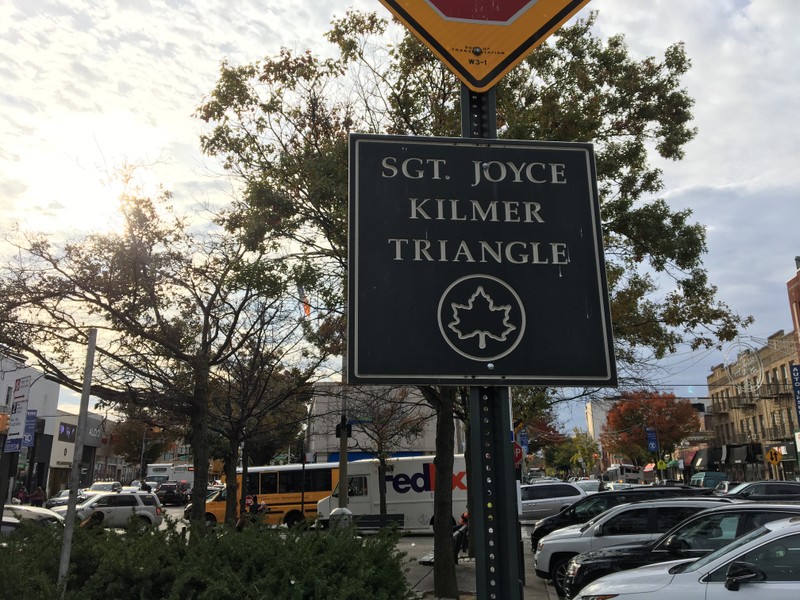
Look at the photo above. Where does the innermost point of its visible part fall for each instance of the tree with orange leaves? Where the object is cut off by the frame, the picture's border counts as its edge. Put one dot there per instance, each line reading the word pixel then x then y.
pixel 624 431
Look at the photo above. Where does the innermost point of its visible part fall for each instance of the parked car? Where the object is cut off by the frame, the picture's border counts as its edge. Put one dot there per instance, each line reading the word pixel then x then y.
pixel 61 498
pixel 622 524
pixel 697 536
pixel 173 492
pixel 16 514
pixel 544 499
pixel 764 563
pixel 769 491
pixel 591 506
pixel 621 485
pixel 117 508
pixel 105 486
pixel 668 482
pixel 590 486
pixel 707 479
pixel 723 487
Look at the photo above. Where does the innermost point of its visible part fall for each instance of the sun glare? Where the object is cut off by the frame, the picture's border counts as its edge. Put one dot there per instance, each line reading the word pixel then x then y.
pixel 73 172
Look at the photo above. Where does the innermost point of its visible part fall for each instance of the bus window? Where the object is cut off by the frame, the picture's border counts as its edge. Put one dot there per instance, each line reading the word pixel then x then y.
pixel 269 483
pixel 252 484
pixel 319 480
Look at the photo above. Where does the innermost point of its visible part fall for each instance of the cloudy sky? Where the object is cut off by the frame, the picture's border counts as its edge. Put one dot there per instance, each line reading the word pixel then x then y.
pixel 86 86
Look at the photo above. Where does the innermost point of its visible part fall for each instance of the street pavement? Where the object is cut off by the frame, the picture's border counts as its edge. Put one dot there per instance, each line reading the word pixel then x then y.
pixel 420 576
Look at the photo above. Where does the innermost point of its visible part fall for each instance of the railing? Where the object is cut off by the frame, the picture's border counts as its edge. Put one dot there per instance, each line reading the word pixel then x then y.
pixel 775 390
pixel 776 433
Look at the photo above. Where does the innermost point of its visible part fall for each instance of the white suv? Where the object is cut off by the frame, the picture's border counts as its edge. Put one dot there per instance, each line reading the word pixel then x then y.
pixel 114 509
pixel 622 524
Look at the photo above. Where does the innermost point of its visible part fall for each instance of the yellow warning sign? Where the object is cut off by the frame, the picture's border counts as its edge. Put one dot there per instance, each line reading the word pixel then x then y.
pixel 482 40
pixel 774 456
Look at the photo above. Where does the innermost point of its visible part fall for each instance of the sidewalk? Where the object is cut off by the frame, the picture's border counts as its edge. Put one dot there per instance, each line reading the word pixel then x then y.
pixel 421 579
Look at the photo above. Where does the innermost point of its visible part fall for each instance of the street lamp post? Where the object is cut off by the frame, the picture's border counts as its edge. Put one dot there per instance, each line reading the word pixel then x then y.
pixel 141 460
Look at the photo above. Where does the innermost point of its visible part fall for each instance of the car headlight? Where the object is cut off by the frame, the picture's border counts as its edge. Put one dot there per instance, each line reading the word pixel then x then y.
pixel 572 568
pixel 539 546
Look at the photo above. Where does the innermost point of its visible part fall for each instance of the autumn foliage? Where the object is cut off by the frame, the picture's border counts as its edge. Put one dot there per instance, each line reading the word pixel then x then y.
pixel 624 431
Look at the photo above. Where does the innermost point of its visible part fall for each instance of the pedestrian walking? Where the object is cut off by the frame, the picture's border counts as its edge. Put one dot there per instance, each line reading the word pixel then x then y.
pixel 38 497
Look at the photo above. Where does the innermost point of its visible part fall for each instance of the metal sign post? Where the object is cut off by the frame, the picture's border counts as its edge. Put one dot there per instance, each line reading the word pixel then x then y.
pixel 467 259
pixel 493 493
pixel 494 497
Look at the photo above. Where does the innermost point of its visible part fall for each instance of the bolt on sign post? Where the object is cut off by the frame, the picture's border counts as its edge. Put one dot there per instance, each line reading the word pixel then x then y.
pixel 481 41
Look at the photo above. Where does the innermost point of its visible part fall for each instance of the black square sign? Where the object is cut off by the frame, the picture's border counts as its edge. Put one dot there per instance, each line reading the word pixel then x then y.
pixel 476 262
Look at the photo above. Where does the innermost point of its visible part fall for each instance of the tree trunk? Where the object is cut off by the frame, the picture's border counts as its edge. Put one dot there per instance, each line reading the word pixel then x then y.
pixel 382 483
pixel 243 483
pixel 231 483
pixel 199 438
pixel 444 570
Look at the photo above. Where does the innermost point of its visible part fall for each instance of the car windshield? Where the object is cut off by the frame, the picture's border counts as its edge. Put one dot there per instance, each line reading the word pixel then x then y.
pixel 738 542
pixel 103 486
pixel 89 500
pixel 737 488
pixel 590 485
pixel 591 522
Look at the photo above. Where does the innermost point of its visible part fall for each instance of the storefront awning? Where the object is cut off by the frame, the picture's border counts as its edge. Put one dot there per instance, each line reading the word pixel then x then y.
pixel 673 463
pixel 688 457
pixel 737 455
pixel 649 467
pixel 714 459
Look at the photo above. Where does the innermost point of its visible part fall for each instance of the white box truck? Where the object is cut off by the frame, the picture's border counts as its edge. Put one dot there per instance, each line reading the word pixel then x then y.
pixel 410 485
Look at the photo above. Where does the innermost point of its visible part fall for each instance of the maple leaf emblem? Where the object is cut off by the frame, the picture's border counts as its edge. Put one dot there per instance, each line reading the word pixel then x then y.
pixel 481 318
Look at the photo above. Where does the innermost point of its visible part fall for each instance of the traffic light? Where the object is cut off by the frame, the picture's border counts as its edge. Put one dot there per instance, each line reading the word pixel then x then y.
pixel 348 428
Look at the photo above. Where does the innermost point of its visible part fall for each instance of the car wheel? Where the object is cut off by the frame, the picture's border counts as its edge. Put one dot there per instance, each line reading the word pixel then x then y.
pixel 292 519
pixel 210 520
pixel 558 574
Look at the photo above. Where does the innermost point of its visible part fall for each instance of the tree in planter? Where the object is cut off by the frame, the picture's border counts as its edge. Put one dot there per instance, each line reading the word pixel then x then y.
pixel 389 419
pixel 281 126
pixel 259 402
pixel 171 306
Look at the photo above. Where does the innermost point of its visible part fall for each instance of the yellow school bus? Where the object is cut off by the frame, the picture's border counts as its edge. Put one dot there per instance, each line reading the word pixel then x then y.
pixel 290 492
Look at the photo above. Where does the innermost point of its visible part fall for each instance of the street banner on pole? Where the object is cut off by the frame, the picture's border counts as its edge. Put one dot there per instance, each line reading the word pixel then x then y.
pixel 17 418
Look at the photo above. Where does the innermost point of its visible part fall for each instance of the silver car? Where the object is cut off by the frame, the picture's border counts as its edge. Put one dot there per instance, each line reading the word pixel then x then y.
pixel 114 509
pixel 540 500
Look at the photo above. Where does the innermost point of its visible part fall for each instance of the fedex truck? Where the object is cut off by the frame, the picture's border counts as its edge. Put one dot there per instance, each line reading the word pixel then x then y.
pixel 410 485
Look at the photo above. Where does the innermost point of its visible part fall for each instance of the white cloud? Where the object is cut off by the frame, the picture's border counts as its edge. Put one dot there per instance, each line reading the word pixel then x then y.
pixel 85 85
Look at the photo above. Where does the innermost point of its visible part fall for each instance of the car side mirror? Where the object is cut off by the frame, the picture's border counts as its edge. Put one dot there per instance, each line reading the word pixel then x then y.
pixel 740 572
pixel 674 545
pixel 598 530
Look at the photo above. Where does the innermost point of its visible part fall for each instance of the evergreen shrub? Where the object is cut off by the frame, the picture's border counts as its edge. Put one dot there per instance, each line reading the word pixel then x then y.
pixel 225 564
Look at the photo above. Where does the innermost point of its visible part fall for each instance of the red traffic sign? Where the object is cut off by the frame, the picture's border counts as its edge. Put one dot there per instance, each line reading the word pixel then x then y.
pixel 482 40
pixel 517 454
